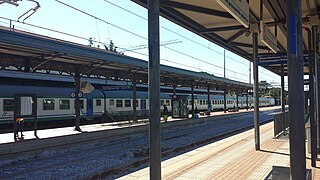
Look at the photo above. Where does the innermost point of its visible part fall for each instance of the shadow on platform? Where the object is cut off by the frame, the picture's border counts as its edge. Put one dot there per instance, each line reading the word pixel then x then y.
pixel 283 173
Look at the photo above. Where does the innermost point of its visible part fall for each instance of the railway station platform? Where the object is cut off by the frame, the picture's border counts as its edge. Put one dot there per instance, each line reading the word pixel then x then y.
pixel 64 137
pixel 233 158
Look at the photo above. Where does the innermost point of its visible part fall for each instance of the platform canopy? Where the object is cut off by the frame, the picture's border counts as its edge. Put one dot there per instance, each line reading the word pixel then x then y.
pixel 227 23
pixel 30 52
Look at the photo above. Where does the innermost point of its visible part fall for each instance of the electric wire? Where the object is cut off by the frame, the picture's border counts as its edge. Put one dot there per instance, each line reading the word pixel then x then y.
pixel 227 57
pixel 108 23
pixel 174 32
pixel 130 32
pixel 135 33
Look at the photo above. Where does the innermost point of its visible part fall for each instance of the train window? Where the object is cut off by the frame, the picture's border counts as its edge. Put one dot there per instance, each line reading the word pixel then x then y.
pixel 127 103
pixel 161 102
pixel 137 103
pixel 111 102
pixel 48 104
pixel 64 104
pixel 98 102
pixel 119 103
pixel 8 105
pixel 168 102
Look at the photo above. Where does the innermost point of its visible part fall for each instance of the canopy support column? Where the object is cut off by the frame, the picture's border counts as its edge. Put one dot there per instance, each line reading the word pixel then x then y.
pixel 225 100
pixel 209 102
pixel 256 91
pixel 237 101
pixel 282 90
pixel 296 90
pixel 154 89
pixel 77 98
pixel 312 97
pixel 247 103
pixel 192 100
pixel 134 98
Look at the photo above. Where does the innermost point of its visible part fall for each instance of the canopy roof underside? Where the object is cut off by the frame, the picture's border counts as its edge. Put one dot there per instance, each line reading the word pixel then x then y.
pixel 208 19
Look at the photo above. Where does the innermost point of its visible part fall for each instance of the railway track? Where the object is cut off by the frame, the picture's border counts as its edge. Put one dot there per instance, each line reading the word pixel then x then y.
pixel 170 153
pixel 114 157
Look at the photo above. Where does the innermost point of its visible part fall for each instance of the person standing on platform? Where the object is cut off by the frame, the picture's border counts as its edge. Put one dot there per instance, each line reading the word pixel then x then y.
pixel 165 113
pixel 19 122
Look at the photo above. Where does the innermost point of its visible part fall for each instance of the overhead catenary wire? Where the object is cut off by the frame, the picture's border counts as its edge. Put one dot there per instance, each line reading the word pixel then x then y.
pixel 203 61
pixel 204 46
pixel 79 37
pixel 102 20
pixel 173 32
pixel 15 26
pixel 135 33
pixel 108 23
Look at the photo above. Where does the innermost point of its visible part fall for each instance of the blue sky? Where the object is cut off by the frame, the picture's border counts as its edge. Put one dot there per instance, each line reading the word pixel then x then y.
pixel 197 55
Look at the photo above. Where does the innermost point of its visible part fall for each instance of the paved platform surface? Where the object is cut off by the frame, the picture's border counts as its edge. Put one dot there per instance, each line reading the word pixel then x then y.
pixel 231 158
pixel 56 132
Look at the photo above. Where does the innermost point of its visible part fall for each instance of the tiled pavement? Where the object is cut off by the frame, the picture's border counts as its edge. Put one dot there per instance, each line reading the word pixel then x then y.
pixel 230 158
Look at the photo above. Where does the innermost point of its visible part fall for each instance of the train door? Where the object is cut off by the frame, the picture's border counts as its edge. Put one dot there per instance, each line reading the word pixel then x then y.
pixel 179 106
pixel 184 108
pixel 89 108
pixel 175 109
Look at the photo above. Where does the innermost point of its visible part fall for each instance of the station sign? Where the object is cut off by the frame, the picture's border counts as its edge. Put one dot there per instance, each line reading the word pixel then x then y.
pixel 268 38
pixel 274 59
pixel 239 9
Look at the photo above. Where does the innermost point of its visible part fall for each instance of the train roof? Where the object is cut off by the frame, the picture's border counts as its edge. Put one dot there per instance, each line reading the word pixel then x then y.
pixel 94 81
pixel 60 92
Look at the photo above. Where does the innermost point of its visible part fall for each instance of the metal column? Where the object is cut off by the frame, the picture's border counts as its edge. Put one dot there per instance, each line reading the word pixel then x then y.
pixel 312 100
pixel 154 89
pixel 247 103
pixel 174 89
pixel 209 103
pixel 317 78
pixel 134 97
pixel 283 102
pixel 192 100
pixel 225 101
pixel 256 91
pixel 237 100
pixel 296 90
pixel 317 84
pixel 77 99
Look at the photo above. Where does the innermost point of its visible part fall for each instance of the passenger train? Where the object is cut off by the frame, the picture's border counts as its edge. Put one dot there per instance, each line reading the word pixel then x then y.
pixel 55 103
